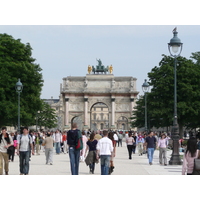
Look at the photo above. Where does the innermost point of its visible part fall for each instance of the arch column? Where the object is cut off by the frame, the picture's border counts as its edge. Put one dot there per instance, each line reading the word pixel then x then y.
pixel 86 113
pixel 67 113
pixel 113 113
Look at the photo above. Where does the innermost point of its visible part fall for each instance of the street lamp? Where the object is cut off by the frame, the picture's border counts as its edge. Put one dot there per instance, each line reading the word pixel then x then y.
pixel 145 88
pixel 175 49
pixel 19 88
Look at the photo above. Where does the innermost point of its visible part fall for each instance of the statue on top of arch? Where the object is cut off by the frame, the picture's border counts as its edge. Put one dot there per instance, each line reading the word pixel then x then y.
pixel 100 68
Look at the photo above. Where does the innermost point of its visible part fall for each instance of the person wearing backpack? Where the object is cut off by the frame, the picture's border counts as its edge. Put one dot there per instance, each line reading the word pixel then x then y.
pixel 24 146
pixel 5 142
pixel 74 154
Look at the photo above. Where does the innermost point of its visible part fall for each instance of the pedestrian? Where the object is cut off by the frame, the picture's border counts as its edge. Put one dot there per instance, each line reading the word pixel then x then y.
pixel 134 144
pixel 74 154
pixel 115 137
pixel 120 137
pixel 150 142
pixel 188 158
pixel 58 140
pixel 5 142
pixel 129 141
pixel 37 143
pixel 48 143
pixel 140 143
pixel 11 154
pixel 24 145
pixel 162 146
pixel 104 150
pixel 97 136
pixel 114 142
pixel 82 152
pixel 64 140
pixel 91 153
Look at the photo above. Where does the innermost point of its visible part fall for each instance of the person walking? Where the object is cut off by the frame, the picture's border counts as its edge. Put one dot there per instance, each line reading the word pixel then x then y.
pixel 74 155
pixel 37 143
pixel 114 142
pixel 129 141
pixel 64 140
pixel 188 158
pixel 91 153
pixel 58 140
pixel 134 144
pixel 48 143
pixel 150 142
pixel 11 153
pixel 24 145
pixel 120 137
pixel 82 152
pixel 5 142
pixel 140 143
pixel 104 150
pixel 162 146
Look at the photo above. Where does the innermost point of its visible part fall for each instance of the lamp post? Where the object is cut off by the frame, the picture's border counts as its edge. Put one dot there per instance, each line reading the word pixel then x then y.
pixel 145 88
pixel 19 88
pixel 175 48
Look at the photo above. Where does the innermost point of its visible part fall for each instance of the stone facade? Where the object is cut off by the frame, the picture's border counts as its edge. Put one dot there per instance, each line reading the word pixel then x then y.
pixel 80 94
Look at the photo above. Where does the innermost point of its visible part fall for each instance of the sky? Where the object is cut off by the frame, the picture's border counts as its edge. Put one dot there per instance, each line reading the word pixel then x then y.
pixel 65 41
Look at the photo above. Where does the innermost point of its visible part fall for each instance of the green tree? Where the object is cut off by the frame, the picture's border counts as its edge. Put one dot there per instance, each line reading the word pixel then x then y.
pixel 16 62
pixel 161 98
pixel 47 116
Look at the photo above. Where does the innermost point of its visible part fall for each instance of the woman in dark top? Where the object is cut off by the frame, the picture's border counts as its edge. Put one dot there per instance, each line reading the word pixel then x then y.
pixel 91 157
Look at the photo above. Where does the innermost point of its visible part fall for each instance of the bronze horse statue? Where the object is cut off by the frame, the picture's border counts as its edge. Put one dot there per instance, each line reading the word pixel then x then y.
pixel 100 68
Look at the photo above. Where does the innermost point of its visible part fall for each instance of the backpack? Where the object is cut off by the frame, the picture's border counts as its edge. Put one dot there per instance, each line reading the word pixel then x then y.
pixel 79 145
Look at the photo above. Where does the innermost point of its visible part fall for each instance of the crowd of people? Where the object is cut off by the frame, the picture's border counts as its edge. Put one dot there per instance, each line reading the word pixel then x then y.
pixel 98 147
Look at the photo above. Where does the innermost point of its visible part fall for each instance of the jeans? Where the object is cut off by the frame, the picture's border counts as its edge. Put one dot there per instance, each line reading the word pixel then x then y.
pixel 150 154
pixel 57 147
pixel 74 156
pixel 24 162
pixel 105 163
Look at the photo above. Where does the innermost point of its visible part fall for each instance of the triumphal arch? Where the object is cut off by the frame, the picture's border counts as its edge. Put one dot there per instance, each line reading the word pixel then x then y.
pixel 98 100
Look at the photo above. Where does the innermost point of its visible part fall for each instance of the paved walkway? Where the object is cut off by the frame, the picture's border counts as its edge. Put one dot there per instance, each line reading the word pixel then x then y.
pixel 123 166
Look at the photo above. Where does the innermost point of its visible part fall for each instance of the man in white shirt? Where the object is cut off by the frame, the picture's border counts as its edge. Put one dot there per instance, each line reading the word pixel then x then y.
pixel 24 147
pixel 104 150
pixel 58 139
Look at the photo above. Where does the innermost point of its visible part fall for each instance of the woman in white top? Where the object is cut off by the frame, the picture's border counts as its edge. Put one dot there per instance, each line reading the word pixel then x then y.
pixel 5 142
pixel 129 141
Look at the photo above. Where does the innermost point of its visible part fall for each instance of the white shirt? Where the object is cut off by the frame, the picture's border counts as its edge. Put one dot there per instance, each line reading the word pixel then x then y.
pixel 4 143
pixel 24 142
pixel 57 137
pixel 115 137
pixel 105 146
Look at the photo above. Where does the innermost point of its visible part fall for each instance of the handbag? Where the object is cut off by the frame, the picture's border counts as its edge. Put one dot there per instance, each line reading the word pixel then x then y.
pixel 196 169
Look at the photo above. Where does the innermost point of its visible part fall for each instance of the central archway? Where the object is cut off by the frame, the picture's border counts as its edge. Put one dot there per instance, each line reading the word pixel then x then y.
pixel 99 117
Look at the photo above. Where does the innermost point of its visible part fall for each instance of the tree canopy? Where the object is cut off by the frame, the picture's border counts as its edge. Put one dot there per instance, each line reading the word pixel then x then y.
pixel 16 62
pixel 160 100
pixel 47 116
